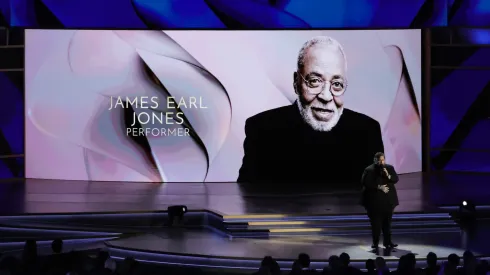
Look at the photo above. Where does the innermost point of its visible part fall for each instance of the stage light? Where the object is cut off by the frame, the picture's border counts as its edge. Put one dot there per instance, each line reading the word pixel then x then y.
pixel 176 214
pixel 467 207
pixel 467 214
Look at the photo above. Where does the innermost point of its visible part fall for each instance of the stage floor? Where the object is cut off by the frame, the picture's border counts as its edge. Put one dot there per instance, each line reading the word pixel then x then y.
pixel 206 244
pixel 417 193
pixel 281 212
pixel 58 196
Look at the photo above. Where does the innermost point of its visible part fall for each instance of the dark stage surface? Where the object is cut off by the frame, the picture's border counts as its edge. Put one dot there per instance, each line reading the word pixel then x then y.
pixel 56 196
pixel 417 193
pixel 208 240
pixel 234 225
pixel 202 243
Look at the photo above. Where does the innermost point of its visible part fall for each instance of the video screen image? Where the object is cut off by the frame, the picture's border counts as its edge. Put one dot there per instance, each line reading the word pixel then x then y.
pixel 221 106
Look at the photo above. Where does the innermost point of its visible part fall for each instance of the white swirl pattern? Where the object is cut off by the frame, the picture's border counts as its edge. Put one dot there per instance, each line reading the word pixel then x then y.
pixel 108 63
pixel 70 134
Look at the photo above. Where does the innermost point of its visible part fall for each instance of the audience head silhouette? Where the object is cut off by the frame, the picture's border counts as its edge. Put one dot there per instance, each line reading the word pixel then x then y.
pixel 370 265
pixel 304 260
pixel 344 259
pixel 431 259
pixel 57 246
pixel 269 266
pixel 453 260
pixel 380 263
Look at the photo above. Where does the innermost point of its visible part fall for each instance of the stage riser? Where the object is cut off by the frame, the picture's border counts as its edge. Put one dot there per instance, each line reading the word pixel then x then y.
pixel 341 233
pixel 332 221
pixel 270 226
pixel 332 231
pixel 366 232
pixel 20 240
pixel 12 231
pixel 255 226
pixel 19 234
pixel 108 220
pixel 342 219
pixel 347 226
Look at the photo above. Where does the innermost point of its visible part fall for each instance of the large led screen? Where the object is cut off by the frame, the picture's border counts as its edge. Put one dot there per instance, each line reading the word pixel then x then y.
pixel 221 106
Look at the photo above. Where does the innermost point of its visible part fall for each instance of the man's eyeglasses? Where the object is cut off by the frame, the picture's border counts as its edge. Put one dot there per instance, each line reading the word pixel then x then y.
pixel 316 85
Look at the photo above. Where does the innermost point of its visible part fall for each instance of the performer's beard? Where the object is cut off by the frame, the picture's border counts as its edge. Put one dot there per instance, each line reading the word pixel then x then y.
pixel 322 126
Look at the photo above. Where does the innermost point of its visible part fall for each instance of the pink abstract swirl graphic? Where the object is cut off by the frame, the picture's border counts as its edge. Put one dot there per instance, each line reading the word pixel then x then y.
pixel 70 100
pixel 403 127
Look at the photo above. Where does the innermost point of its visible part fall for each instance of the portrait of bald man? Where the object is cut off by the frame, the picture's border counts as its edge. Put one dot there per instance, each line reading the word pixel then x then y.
pixel 316 139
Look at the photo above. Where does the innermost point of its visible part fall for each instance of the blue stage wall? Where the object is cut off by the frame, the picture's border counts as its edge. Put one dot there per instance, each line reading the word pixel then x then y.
pixel 460 100
pixel 460 74
pixel 238 14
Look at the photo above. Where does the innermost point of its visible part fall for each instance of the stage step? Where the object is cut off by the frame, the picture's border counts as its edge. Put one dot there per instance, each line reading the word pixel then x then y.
pixel 335 225
pixel 282 225
pixel 337 230
pixel 331 218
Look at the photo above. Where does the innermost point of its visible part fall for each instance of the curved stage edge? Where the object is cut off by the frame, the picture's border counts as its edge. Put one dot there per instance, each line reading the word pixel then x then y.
pixel 212 240
pixel 126 219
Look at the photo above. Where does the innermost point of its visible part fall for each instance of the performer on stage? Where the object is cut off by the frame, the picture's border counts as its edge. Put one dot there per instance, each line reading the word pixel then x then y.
pixel 380 198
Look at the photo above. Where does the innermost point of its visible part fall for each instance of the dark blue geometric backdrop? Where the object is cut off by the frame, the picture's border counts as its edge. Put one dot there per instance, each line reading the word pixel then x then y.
pixel 460 100
pixel 237 14
pixel 11 125
pixel 12 107
pixel 460 87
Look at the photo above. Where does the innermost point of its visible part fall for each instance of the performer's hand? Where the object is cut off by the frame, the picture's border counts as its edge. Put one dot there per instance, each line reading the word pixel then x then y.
pixel 386 172
pixel 384 188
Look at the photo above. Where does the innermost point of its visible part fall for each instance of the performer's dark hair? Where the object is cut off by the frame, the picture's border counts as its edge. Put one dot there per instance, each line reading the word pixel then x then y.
pixel 378 155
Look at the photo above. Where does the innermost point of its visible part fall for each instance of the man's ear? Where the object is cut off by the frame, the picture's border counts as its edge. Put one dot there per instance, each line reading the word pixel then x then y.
pixel 295 83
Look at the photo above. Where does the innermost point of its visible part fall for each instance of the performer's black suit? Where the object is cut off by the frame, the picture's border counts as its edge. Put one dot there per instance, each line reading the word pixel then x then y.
pixel 280 147
pixel 379 205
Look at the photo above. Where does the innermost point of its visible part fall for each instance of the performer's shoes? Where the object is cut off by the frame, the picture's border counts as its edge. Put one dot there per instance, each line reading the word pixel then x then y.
pixel 391 245
pixel 375 246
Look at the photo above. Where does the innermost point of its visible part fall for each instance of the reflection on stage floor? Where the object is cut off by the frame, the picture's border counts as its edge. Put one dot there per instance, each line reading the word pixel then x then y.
pixel 207 244
pixel 416 192
pixel 54 196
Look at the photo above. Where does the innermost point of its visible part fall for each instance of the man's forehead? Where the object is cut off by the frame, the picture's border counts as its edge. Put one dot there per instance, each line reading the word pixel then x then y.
pixel 325 51
pixel 326 58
